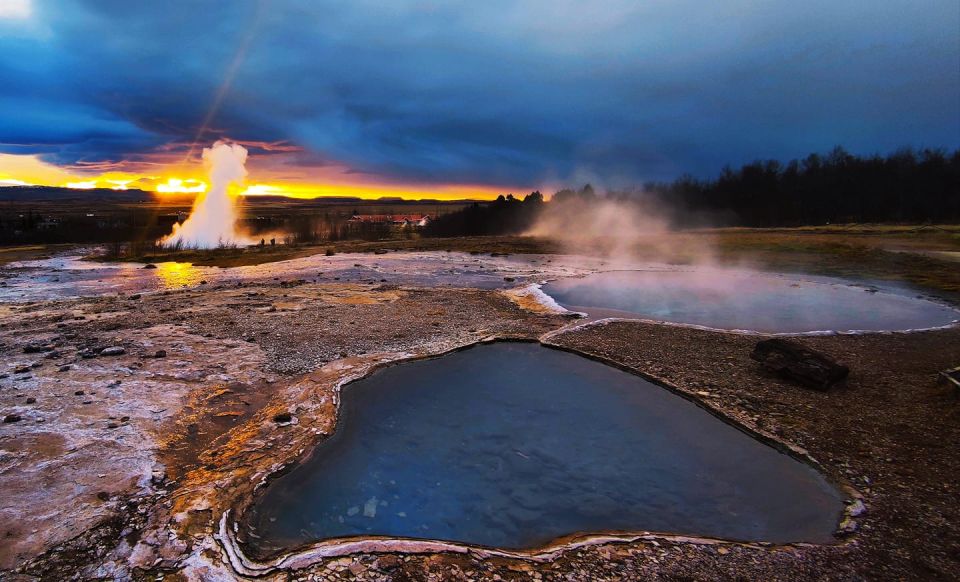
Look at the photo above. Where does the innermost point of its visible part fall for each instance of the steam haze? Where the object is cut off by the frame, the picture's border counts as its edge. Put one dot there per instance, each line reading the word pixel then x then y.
pixel 621 229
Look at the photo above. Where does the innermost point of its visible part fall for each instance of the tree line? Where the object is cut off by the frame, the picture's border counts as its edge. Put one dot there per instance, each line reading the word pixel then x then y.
pixel 907 186
pixel 505 215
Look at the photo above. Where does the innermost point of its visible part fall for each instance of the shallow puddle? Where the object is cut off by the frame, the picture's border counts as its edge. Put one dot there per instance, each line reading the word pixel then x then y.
pixel 748 300
pixel 514 445
pixel 69 275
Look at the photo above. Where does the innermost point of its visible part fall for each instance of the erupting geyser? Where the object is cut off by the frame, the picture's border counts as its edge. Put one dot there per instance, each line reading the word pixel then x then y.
pixel 212 221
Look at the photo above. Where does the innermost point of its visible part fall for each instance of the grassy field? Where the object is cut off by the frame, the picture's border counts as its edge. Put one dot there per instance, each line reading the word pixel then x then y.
pixel 928 257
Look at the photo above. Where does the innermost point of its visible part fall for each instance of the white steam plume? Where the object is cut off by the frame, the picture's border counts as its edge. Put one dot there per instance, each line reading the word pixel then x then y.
pixel 212 221
pixel 631 230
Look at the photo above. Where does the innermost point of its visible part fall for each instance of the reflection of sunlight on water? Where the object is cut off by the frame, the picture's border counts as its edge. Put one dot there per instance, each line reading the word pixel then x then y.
pixel 178 274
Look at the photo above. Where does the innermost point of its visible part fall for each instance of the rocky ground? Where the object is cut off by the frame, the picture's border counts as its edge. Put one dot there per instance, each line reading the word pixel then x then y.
pixel 890 432
pixel 133 423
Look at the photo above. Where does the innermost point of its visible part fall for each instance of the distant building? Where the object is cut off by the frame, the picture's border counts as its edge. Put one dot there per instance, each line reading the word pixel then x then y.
pixel 396 220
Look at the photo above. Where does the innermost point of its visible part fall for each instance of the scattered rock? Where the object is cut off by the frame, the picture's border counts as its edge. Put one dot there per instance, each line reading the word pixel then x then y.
pixel 79 393
pixel 283 418
pixel 847 526
pixel 158 475
pixel 64 368
pixel 387 563
pixel 113 351
pixel 149 266
pixel 21 369
pixel 856 509
pixel 37 348
pixel 160 354
pixel 135 296
pixel 31 400
pixel 794 361
pixel 12 418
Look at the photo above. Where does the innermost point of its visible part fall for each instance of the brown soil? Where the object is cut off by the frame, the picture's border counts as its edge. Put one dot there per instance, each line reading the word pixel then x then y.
pixel 205 419
pixel 890 431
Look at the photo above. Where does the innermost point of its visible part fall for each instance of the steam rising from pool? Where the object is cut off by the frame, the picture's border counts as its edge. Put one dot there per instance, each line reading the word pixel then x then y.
pixel 745 300
pixel 212 221
pixel 642 254
pixel 621 230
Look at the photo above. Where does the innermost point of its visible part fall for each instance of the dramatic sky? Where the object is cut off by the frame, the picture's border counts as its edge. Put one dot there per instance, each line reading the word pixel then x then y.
pixel 454 98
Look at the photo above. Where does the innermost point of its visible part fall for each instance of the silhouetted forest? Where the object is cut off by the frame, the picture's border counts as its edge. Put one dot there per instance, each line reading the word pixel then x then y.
pixel 505 215
pixel 904 187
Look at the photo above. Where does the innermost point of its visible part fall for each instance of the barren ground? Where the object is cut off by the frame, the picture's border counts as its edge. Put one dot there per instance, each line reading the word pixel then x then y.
pixel 130 479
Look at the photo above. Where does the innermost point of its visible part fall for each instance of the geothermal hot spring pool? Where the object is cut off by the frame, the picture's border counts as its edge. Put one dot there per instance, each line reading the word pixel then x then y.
pixel 512 445
pixel 748 300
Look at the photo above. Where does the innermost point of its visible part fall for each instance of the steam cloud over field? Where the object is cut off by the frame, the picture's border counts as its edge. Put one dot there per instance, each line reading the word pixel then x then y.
pixel 629 230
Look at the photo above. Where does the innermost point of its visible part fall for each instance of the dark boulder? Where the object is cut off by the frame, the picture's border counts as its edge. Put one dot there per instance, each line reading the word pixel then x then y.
pixel 794 361
pixel 37 348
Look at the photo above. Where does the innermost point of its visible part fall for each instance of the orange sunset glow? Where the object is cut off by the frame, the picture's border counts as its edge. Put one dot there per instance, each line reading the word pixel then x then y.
pixel 189 178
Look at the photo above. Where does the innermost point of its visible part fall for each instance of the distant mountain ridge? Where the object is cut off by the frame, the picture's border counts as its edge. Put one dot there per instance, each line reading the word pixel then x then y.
pixel 38 193
pixel 59 193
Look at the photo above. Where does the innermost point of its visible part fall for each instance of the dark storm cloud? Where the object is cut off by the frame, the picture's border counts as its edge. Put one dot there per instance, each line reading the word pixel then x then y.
pixel 488 92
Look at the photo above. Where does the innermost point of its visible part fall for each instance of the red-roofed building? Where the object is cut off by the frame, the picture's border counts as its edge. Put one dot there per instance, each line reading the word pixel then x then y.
pixel 399 220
